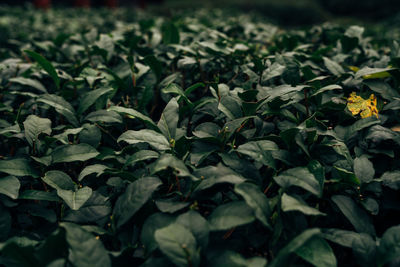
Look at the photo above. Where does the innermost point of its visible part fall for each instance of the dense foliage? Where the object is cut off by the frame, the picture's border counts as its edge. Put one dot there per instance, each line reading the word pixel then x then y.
pixel 198 140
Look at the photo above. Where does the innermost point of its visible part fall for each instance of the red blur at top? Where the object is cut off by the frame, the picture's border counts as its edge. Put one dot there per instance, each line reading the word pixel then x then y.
pixel 45 4
pixel 82 3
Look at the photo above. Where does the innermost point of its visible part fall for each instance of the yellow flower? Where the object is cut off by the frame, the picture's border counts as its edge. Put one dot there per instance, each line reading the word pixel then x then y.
pixel 365 107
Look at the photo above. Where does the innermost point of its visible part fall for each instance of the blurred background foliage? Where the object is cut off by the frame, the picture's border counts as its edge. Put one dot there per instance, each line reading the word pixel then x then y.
pixel 284 12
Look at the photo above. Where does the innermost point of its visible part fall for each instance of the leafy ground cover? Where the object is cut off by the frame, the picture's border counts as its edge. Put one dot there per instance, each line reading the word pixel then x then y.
pixel 201 140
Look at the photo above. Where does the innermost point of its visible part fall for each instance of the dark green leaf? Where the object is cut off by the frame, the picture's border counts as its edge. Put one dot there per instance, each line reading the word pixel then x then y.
pixel 90 98
pixel 389 247
pixel 293 246
pixel 300 177
pixel 34 126
pixel 9 186
pixel 363 169
pixel 70 153
pixel 289 203
pixel 169 120
pixel 29 82
pixel 357 217
pixel 156 140
pixel 199 227
pixel 317 252
pixel 178 244
pixel 17 167
pixel 259 151
pixel 61 106
pixel 230 215
pixel 85 249
pixel 135 196
pixel 255 199
pixel 46 65
pixel 152 223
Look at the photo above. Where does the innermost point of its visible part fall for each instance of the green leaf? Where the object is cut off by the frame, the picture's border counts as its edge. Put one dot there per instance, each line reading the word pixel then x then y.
pixel 64 136
pixel 70 153
pixel 327 88
pixel 18 167
pixel 154 222
pixel 232 126
pixel 9 186
pixel 170 33
pixel 333 66
pixel 96 209
pixel 46 65
pixel 346 132
pixel 342 237
pixel 135 196
pixel 140 156
pixel 169 120
pixel 154 139
pixel 90 134
pixel 364 249
pixel 173 88
pixel 67 189
pixel 300 177
pixel 178 244
pixel 169 161
pixel 39 195
pixel 357 217
pixel 98 169
pixel 317 252
pixel 318 171
pixel 34 126
pixel 230 215
pixel 289 203
pixel 389 247
pixel 133 114
pixel 295 244
pixel 75 199
pixel 259 151
pixel 214 175
pixel 61 106
pixel 255 199
pixel 104 116
pixel 383 89
pixel 59 180
pixel 10 130
pixel 5 223
pixel 197 225
pixel 170 205
pixel 85 250
pixel 391 179
pixel 91 97
pixel 230 107
pixel 363 169
pixel 29 82
pixel 234 259
pixel 373 73
pixel 106 43
pixel 154 64
pixel 347 176
pixel 274 70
